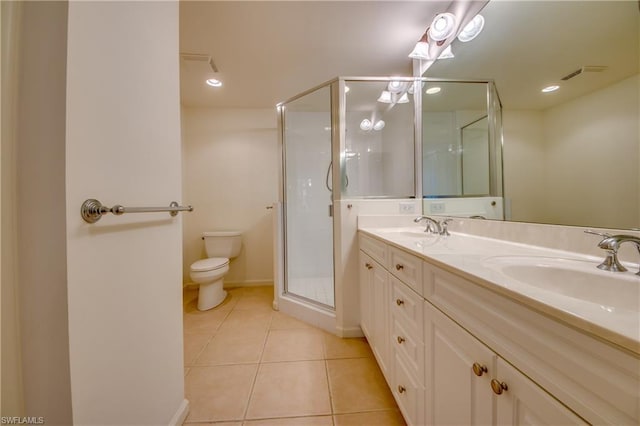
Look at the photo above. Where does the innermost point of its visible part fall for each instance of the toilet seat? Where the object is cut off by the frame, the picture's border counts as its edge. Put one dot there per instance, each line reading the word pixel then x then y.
pixel 210 264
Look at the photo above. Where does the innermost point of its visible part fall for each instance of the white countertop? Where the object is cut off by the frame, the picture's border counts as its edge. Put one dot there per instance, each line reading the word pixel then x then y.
pixel 470 257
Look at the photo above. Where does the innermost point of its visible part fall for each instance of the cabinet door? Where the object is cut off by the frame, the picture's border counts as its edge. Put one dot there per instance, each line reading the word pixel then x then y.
pixel 456 393
pixel 366 295
pixel 525 403
pixel 381 318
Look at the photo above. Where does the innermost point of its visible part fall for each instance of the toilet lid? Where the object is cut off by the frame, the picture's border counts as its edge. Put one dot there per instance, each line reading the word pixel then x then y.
pixel 209 264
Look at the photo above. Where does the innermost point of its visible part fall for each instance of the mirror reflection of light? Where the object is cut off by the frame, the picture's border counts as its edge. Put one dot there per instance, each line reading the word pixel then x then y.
pixel 607 308
pixel 433 90
pixel 395 86
pixel 366 124
pixel 213 82
pixel 385 97
pixel 346 89
pixel 550 89
pixel 403 99
pixel 379 125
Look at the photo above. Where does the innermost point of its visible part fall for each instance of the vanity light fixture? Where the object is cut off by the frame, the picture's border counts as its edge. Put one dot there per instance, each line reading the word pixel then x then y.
pixel 385 97
pixel 403 99
pixel 379 125
pixel 411 89
pixel 550 89
pixel 213 82
pixel 421 50
pixel 442 27
pixel 366 125
pixel 433 90
pixel 472 29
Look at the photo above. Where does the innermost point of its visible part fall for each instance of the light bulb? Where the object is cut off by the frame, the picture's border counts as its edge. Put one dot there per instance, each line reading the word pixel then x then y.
pixel 379 125
pixel 472 29
pixel 442 27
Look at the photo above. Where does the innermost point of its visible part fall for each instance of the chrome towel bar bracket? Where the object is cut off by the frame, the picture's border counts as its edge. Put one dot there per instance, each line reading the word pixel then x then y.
pixel 92 210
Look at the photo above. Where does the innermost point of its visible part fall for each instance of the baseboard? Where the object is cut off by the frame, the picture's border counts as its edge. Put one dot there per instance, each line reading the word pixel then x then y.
pixel 235 284
pixel 349 332
pixel 181 415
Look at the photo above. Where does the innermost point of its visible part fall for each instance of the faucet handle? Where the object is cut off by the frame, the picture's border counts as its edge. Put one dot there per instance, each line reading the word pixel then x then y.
pixel 444 230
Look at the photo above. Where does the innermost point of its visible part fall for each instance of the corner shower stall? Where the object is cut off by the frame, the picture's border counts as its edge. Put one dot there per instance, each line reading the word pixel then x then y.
pixel 346 143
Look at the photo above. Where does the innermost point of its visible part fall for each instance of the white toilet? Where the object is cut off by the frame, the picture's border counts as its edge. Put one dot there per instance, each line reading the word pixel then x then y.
pixel 209 273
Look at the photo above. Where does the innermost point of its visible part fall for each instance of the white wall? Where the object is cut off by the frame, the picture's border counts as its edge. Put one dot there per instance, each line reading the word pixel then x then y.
pixel 124 273
pixel 231 176
pixel 588 176
pixel 564 165
pixel 524 166
pixel 11 401
pixel 42 268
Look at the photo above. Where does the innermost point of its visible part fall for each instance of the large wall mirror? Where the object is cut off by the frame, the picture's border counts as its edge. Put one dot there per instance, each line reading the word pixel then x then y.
pixel 571 156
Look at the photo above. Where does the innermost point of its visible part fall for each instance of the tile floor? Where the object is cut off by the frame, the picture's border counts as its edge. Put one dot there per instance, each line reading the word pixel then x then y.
pixel 248 365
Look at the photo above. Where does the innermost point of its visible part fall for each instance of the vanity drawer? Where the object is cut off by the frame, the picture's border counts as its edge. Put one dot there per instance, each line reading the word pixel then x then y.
pixel 407 267
pixel 374 248
pixel 409 394
pixel 406 305
pixel 410 344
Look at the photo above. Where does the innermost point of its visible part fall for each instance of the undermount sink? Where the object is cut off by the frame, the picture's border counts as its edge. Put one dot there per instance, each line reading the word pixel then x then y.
pixel 574 278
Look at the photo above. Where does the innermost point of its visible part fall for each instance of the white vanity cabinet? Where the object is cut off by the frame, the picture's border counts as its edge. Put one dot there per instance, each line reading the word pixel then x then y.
pixel 467 379
pixel 374 310
pixel 458 352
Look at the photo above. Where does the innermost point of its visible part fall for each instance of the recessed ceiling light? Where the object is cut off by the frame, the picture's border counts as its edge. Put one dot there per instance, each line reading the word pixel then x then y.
pixel 213 82
pixel 433 90
pixel 550 89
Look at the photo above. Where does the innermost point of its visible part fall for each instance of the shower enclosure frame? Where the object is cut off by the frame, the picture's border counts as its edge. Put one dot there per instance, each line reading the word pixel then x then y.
pixel 330 319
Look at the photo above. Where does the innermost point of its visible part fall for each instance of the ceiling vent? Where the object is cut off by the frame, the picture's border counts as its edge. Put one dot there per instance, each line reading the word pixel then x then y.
pixel 201 58
pixel 586 68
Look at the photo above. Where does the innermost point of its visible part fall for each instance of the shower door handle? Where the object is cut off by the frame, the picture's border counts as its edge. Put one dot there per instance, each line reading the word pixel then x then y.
pixel 330 210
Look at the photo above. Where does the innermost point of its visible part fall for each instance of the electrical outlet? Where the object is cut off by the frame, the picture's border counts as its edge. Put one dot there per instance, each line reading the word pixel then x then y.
pixel 436 207
pixel 407 208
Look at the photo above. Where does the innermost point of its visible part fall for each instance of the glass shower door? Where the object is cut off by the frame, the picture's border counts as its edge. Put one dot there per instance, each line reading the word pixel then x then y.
pixel 308 218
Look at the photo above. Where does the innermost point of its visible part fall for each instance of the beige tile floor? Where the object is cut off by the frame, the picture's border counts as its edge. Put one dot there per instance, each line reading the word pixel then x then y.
pixel 248 365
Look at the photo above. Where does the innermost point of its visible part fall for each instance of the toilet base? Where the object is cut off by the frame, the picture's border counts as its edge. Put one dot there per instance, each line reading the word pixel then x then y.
pixel 211 295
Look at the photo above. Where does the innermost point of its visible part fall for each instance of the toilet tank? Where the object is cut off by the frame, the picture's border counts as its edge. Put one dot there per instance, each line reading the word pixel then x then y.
pixel 222 244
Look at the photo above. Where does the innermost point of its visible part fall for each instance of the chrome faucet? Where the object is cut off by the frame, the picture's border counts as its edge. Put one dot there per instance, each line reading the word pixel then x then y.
pixel 433 225
pixel 611 244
